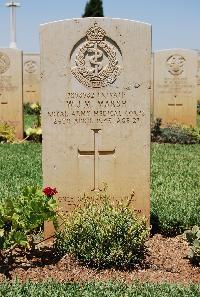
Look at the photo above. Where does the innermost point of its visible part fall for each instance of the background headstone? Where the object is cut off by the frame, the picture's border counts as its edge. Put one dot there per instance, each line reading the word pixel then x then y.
pixel 95 91
pixel 198 76
pixel 152 85
pixel 31 78
pixel 11 102
pixel 175 90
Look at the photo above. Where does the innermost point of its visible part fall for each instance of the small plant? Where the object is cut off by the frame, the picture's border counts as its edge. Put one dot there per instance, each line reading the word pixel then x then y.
pixel 34 134
pixel 21 216
pixel 193 237
pixel 174 134
pixel 7 133
pixel 32 108
pixel 181 134
pixel 27 109
pixel 100 234
pixel 156 129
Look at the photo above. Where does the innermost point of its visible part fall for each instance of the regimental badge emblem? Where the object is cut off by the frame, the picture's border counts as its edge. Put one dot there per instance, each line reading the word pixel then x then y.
pixel 4 62
pixel 96 64
pixel 30 66
pixel 176 64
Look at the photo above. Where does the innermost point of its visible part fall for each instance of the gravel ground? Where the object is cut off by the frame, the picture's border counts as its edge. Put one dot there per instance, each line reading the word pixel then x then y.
pixel 166 262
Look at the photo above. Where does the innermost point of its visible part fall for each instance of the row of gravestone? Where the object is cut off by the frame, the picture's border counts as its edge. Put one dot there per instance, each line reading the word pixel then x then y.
pixel 175 85
pixel 19 83
pixel 96 90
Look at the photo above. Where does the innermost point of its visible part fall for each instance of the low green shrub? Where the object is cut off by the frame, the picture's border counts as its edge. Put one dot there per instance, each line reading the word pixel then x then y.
pixel 20 216
pixel 174 134
pixel 34 134
pixel 7 133
pixel 28 109
pixel 99 234
pixel 156 129
pixel 32 108
pixel 193 237
pixel 181 134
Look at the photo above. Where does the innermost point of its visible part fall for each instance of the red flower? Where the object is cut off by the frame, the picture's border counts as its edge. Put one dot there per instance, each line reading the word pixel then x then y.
pixel 48 191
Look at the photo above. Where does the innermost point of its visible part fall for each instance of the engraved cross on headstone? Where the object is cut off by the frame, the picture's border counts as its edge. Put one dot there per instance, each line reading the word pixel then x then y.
pixel 2 102
pixel 31 92
pixel 175 105
pixel 96 153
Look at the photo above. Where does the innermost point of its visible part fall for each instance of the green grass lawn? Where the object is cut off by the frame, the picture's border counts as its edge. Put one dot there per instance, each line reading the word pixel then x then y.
pixel 52 289
pixel 29 121
pixel 20 166
pixel 175 186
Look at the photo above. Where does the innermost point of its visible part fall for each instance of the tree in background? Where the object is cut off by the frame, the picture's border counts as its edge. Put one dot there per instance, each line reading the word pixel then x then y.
pixel 93 8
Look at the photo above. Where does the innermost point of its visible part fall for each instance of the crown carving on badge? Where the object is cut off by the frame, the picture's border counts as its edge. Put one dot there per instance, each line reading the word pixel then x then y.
pixel 95 33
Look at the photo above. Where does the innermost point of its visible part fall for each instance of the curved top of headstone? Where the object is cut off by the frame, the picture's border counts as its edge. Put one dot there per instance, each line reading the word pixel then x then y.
pixel 85 20
pixel 31 54
pixel 10 49
pixel 175 50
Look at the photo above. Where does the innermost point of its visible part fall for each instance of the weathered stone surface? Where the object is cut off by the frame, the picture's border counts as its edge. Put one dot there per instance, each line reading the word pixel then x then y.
pixel 152 85
pixel 95 92
pixel 175 91
pixel 198 76
pixel 11 108
pixel 31 78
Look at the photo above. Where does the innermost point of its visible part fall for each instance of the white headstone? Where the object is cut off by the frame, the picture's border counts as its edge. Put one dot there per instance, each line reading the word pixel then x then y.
pixel 175 88
pixel 11 106
pixel 95 91
pixel 31 78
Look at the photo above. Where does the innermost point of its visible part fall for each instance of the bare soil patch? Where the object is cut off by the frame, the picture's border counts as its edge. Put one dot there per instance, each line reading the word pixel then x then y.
pixel 166 262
